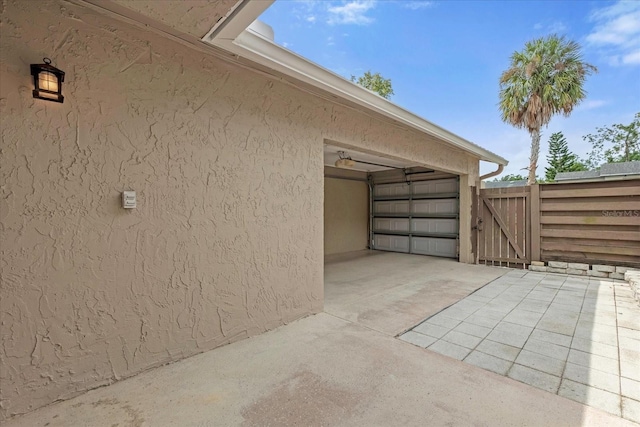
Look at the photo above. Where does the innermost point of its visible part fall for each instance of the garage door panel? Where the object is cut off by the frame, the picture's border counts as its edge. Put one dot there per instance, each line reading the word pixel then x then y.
pixel 392 207
pixel 391 243
pixel 391 190
pixel 434 246
pixel 436 186
pixel 435 206
pixel 434 225
pixel 391 224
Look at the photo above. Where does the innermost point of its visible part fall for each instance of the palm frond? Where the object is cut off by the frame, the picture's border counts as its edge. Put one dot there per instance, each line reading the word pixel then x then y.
pixel 544 79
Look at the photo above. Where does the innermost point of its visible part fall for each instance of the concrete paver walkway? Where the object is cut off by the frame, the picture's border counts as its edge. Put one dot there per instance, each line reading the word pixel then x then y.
pixel 574 336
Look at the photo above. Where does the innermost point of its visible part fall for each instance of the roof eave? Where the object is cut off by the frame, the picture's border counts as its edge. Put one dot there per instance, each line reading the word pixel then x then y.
pixel 235 37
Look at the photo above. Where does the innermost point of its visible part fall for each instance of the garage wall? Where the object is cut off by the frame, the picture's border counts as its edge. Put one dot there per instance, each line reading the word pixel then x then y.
pixel 226 241
pixel 346 216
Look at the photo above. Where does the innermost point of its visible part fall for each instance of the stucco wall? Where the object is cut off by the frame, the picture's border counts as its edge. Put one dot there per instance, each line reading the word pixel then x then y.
pixel 195 17
pixel 226 241
pixel 346 215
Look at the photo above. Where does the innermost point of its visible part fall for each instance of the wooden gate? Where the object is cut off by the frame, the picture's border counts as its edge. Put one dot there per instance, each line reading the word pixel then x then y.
pixel 502 229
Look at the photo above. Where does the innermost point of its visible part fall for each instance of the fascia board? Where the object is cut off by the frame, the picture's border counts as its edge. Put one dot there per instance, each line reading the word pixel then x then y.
pixel 250 45
pixel 240 17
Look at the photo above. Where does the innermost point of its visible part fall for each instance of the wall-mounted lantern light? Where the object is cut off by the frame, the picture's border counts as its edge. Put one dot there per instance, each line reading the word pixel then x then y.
pixel 47 81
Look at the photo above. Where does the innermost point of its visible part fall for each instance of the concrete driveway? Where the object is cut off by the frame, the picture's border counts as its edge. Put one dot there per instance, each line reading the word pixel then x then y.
pixel 390 292
pixel 344 367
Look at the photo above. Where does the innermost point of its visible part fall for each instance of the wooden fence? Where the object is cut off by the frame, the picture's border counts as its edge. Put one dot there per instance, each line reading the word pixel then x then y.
pixel 587 222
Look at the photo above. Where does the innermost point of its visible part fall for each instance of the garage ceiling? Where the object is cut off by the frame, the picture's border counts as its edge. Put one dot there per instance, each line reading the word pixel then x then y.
pixel 331 155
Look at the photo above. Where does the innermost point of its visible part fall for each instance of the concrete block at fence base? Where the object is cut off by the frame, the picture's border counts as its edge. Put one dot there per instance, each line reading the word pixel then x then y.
pixel 596 273
pixel 538 263
pixel 622 270
pixel 604 268
pixel 633 277
pixel 537 268
pixel 618 276
pixel 557 270
pixel 631 274
pixel 578 266
pixel 557 264
pixel 576 271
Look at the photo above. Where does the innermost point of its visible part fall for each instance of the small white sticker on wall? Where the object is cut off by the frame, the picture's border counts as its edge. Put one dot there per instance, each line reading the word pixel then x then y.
pixel 129 199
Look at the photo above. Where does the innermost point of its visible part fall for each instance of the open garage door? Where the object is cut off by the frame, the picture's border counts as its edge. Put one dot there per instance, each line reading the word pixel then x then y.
pixel 411 208
pixel 418 217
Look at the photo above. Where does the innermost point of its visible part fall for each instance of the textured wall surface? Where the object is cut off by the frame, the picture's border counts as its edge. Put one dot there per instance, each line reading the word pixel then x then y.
pixel 226 241
pixel 346 216
pixel 195 17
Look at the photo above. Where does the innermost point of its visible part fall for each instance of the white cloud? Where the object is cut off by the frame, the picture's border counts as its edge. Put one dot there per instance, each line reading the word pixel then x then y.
pixel 591 104
pixel 617 32
pixel 620 8
pixel 334 12
pixel 352 12
pixel 417 5
pixel 308 11
pixel 555 27
pixel 632 58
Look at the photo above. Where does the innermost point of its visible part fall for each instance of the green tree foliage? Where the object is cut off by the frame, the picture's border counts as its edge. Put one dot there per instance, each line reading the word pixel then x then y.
pixel 376 83
pixel 510 177
pixel 614 144
pixel 544 79
pixel 560 158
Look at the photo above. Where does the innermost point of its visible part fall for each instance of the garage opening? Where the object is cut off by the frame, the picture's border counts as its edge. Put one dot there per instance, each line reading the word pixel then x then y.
pixel 384 204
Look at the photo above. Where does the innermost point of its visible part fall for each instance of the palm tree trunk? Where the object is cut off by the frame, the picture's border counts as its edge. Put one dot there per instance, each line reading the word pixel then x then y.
pixel 533 159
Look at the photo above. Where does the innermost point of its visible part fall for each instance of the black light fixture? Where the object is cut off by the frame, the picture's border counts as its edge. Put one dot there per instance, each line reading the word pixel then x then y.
pixel 47 81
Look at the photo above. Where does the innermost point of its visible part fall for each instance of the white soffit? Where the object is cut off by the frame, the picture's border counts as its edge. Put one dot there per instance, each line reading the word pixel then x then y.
pixel 234 35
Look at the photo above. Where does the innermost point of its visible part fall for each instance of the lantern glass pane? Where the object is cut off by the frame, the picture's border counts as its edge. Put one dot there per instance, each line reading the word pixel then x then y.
pixel 48 81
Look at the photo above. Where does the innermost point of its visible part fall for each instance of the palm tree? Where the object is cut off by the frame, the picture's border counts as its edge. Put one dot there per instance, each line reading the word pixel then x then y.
pixel 545 79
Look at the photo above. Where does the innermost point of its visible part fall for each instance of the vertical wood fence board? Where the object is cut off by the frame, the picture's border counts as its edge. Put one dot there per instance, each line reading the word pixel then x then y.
pixel 474 223
pixel 512 223
pixel 534 214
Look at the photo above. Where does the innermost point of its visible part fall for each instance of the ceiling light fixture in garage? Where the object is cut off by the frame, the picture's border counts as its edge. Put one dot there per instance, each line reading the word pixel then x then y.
pixel 344 161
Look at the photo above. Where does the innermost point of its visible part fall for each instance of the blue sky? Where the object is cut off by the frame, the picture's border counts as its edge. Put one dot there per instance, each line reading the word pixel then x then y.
pixel 445 58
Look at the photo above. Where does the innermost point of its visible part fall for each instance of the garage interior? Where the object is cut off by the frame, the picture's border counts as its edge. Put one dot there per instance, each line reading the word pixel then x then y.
pixel 386 204
pixel 391 234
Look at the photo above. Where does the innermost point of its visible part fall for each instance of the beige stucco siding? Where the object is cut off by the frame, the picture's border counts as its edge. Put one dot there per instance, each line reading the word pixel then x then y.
pixel 346 215
pixel 227 239
pixel 194 17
